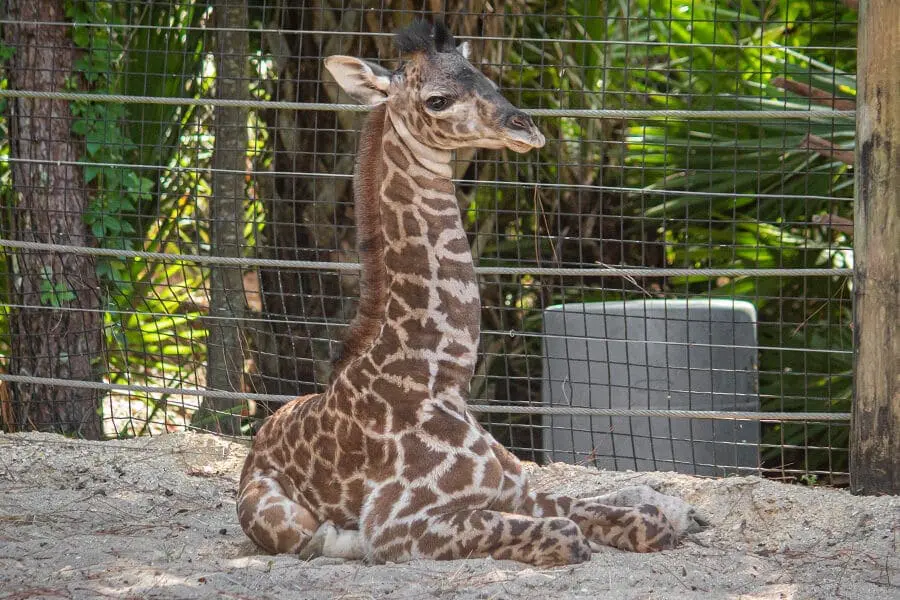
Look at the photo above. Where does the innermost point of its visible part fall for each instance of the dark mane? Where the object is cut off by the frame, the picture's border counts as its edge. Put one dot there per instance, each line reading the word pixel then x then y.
pixel 421 36
pixel 443 39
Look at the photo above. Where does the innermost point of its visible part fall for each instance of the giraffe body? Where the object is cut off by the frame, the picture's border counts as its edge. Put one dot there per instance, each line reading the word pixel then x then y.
pixel 387 464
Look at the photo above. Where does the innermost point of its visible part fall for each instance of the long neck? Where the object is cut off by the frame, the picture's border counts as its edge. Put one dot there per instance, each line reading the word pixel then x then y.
pixel 369 241
pixel 433 309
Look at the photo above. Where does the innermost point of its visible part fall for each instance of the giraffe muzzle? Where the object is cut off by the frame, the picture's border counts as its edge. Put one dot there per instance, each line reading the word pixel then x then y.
pixel 521 132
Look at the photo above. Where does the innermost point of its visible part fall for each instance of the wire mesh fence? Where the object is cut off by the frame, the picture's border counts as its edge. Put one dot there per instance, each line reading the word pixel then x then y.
pixel 665 285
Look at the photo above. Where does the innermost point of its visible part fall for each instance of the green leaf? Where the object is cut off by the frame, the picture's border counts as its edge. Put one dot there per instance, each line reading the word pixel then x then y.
pixel 91 172
pixel 6 52
pixel 79 126
pixel 81 36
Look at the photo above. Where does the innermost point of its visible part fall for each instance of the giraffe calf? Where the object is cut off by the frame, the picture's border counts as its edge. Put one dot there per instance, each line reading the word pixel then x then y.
pixel 387 464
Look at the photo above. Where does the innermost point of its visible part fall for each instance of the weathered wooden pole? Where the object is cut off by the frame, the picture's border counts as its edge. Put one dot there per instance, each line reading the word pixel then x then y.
pixel 227 302
pixel 875 437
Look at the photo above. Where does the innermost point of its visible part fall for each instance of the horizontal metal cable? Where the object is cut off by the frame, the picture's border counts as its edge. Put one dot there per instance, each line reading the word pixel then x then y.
pixel 635 191
pixel 576 411
pixel 195 258
pixel 492 38
pixel 146 389
pixel 752 115
pixel 585 338
pixel 476 408
pixel 490 270
pixel 333 324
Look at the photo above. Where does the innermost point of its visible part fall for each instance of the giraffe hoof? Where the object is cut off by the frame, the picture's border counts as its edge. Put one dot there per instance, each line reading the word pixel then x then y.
pixel 583 552
pixel 315 545
pixel 684 517
pixel 578 548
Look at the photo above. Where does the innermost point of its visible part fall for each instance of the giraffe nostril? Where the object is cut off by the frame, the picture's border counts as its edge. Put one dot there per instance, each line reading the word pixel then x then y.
pixel 519 121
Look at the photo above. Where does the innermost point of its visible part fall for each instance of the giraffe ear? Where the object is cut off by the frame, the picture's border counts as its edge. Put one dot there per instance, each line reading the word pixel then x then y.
pixel 364 82
pixel 465 49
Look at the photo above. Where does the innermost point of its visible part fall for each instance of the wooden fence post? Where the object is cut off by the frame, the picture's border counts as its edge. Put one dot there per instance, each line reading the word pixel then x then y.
pixel 875 427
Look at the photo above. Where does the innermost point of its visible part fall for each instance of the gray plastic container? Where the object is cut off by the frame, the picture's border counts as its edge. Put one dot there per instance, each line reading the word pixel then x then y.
pixel 652 354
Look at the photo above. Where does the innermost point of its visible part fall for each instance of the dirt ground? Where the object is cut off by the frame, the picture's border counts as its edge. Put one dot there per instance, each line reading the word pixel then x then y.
pixel 155 518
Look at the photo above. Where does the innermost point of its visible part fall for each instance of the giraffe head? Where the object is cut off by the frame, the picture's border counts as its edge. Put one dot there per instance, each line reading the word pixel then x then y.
pixel 437 95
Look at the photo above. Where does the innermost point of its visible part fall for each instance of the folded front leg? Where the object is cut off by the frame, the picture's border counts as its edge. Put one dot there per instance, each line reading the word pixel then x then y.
pixel 642 528
pixel 684 517
pixel 478 533
pixel 638 527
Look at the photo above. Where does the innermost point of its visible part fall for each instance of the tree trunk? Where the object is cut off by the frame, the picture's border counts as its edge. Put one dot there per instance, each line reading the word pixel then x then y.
pixel 56 323
pixel 227 303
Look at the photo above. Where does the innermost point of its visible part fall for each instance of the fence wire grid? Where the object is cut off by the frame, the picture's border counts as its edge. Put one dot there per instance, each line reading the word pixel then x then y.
pixel 665 285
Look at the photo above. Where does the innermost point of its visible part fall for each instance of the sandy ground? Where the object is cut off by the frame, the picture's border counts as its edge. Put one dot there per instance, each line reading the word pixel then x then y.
pixel 154 518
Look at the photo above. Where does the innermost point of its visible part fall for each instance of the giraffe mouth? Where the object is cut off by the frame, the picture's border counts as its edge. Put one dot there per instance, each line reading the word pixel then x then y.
pixel 519 133
pixel 524 143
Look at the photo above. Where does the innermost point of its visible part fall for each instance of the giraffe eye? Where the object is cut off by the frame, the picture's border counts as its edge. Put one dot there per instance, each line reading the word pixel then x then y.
pixel 438 103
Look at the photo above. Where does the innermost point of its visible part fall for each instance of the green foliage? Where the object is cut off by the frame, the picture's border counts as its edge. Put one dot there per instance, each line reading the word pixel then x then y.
pixel 142 196
pixel 166 63
pixel 54 293
pixel 769 186
pixel 712 193
pixel 157 341
pixel 121 138
pixel 117 190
